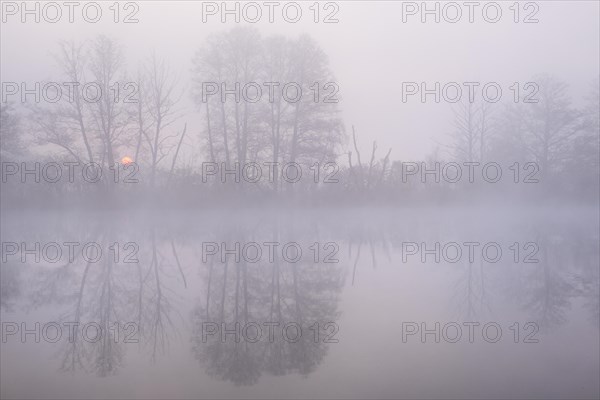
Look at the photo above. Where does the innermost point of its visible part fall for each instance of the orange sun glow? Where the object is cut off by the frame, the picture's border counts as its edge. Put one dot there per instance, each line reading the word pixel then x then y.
pixel 126 160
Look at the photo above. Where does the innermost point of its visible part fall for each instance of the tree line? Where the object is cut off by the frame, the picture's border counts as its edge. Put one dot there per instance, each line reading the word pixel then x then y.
pixel 273 101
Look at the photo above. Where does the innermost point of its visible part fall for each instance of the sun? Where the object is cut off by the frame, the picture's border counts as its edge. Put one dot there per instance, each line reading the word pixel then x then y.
pixel 126 160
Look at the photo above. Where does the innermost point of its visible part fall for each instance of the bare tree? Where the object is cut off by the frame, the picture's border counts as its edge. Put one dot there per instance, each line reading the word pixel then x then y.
pixel 548 126
pixel 471 129
pixel 277 127
pixel 111 115
pixel 157 111
pixel 71 61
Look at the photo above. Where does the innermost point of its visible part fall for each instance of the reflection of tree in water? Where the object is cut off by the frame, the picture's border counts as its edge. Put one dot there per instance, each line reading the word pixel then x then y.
pixel 279 292
pixel 155 321
pixel 361 234
pixel 551 285
pixel 111 294
pixel 471 298
pixel 99 299
pixel 549 293
pixel 568 268
pixel 10 285
pixel 586 260
pixel 591 293
pixel 146 292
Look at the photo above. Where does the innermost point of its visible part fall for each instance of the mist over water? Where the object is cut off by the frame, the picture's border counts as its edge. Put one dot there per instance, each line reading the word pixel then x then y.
pixel 371 201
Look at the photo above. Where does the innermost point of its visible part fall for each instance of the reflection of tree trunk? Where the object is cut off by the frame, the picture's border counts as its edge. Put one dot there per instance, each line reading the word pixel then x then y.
pixel 373 257
pixel 299 318
pixel 178 264
pixel 237 290
pixel 470 292
pixel 140 296
pixel 74 355
pixel 482 132
pixel 547 283
pixel 273 272
pixel 105 361
pixel 245 278
pixel 356 262
pixel 470 134
pixel 158 323
pixel 210 273
pixel 81 287
pixel 483 293
pixel 224 290
pixel 275 286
